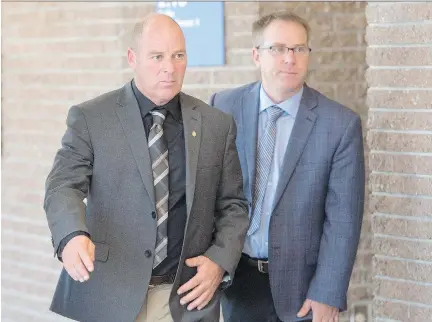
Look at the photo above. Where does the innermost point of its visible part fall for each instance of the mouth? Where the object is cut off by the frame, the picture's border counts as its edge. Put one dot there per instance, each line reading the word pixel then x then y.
pixel 167 83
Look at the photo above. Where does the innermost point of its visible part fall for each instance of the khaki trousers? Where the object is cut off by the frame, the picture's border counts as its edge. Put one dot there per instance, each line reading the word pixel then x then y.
pixel 156 308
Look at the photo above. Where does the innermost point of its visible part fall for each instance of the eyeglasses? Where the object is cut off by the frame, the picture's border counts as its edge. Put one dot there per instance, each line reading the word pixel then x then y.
pixel 279 50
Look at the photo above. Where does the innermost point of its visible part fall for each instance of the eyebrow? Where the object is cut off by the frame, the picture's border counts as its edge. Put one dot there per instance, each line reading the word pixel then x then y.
pixel 161 53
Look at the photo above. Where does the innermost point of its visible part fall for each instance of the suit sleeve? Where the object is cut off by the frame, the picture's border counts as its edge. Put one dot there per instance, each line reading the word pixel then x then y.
pixel 344 212
pixel 68 182
pixel 231 218
pixel 66 240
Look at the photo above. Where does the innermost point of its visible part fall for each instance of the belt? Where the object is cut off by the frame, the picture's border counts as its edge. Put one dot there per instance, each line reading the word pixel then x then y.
pixel 260 264
pixel 162 279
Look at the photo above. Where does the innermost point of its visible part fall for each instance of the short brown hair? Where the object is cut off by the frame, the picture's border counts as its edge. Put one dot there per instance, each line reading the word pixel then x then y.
pixel 259 25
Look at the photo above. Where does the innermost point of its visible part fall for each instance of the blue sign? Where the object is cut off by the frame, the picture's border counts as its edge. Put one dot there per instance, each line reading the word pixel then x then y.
pixel 203 26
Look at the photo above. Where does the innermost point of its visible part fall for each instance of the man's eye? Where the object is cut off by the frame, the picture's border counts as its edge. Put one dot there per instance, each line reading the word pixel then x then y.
pixel 301 49
pixel 277 49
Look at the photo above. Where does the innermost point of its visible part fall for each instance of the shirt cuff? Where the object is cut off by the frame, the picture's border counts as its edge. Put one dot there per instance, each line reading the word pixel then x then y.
pixel 67 239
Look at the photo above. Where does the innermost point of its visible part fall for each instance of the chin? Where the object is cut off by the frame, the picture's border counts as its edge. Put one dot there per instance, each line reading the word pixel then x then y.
pixel 289 87
pixel 169 88
pixel 167 95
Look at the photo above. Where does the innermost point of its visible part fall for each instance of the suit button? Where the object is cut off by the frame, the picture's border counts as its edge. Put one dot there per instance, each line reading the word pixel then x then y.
pixel 148 253
pixel 153 215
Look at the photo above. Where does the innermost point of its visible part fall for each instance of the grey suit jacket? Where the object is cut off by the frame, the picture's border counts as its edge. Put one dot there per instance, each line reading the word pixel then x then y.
pixel 316 220
pixel 104 157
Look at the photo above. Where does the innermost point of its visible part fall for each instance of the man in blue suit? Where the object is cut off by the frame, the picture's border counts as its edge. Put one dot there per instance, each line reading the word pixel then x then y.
pixel 303 167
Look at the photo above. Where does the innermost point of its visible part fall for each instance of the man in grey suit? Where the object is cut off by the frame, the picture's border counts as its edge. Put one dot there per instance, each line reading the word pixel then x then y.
pixel 165 220
pixel 303 174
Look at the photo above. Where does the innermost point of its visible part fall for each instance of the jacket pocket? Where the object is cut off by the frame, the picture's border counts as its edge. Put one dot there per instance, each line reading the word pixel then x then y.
pixel 101 252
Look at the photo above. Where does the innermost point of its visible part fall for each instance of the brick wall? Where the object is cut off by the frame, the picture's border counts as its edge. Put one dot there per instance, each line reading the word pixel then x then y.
pixel 59 54
pixel 399 53
pixel 239 68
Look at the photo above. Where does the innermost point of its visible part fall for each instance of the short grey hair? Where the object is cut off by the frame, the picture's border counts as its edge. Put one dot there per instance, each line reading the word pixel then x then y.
pixel 259 25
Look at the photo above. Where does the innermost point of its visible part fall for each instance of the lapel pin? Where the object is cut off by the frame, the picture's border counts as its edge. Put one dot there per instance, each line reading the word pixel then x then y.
pixel 193 133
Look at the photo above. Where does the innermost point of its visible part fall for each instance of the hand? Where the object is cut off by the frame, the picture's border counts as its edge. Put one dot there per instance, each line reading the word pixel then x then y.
pixel 320 312
pixel 78 257
pixel 203 284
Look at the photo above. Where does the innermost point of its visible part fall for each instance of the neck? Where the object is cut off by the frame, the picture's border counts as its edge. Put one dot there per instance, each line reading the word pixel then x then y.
pixel 156 100
pixel 278 95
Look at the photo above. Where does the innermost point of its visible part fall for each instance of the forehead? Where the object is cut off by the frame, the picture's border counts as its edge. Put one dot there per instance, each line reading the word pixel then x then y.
pixel 163 40
pixel 284 32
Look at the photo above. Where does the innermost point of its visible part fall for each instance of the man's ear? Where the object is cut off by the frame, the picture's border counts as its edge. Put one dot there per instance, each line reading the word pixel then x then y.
pixel 131 57
pixel 256 57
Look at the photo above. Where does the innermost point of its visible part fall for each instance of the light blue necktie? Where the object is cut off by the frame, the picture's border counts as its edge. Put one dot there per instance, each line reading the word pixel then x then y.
pixel 265 151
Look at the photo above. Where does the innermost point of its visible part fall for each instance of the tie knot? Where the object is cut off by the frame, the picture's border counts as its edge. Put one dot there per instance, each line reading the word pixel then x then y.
pixel 159 116
pixel 274 112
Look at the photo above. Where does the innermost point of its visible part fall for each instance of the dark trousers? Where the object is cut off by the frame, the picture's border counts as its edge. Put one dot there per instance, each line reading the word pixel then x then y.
pixel 249 298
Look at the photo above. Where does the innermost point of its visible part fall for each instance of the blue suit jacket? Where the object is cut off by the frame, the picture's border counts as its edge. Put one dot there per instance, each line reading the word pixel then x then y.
pixel 318 209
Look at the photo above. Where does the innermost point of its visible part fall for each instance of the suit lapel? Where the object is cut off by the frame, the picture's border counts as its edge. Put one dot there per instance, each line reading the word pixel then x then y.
pixel 250 111
pixel 131 121
pixel 303 125
pixel 192 134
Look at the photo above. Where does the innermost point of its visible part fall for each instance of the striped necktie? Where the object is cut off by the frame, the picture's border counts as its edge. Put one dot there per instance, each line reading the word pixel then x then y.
pixel 265 151
pixel 159 157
